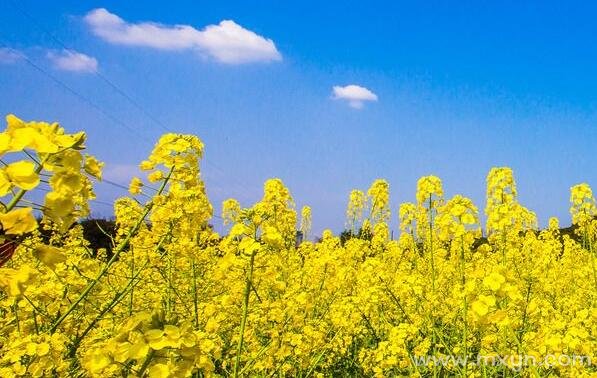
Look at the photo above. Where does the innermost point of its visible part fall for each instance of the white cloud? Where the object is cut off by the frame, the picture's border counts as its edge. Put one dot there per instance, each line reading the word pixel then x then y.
pixel 69 60
pixel 227 42
pixel 354 94
pixel 10 56
pixel 121 173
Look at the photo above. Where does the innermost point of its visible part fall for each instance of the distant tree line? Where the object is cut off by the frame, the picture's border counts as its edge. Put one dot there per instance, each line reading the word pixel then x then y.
pixel 367 235
pixel 100 233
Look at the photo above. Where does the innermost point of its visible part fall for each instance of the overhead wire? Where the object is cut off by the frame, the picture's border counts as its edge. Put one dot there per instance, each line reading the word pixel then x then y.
pixel 116 185
pixel 75 93
pixel 121 92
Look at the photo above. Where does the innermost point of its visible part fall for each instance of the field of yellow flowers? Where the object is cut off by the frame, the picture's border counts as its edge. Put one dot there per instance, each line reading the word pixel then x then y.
pixel 175 299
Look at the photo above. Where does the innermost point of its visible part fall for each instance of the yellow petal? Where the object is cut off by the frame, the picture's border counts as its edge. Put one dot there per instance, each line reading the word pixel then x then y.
pixel 43 144
pixel 49 255
pixel 5 184
pixel 19 221
pixel 21 138
pixel 22 174
pixel 135 185
pixel 58 205
pixel 159 371
pixel 13 122
pixel 93 167
pixel 138 350
pixel 4 143
pixel 480 308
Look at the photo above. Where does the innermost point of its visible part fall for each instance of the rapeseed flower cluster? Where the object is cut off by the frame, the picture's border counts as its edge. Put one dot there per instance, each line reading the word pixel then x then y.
pixel 173 298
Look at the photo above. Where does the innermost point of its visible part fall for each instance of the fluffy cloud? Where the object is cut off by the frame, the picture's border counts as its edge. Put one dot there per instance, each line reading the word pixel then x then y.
pixel 227 42
pixel 121 172
pixel 68 60
pixel 10 56
pixel 354 94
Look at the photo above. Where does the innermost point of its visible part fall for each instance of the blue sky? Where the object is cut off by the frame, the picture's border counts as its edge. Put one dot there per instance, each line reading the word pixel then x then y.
pixel 459 88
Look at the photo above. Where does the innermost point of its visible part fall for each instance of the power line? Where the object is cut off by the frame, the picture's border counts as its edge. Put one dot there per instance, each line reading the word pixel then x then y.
pixel 115 184
pixel 92 104
pixel 109 204
pixel 86 100
pixel 77 94
pixel 237 184
pixel 116 88
pixel 97 73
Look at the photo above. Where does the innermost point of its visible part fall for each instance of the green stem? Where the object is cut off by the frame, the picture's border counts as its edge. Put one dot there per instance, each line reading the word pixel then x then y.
pixel 589 244
pixel 431 244
pixel 146 363
pixel 195 297
pixel 250 363
pixel 17 197
pixel 433 335
pixel 35 322
pixel 525 315
pixel 117 298
pixel 243 321
pixel 115 256
pixel 132 275
pixel 465 304
pixel 14 309
pixel 169 288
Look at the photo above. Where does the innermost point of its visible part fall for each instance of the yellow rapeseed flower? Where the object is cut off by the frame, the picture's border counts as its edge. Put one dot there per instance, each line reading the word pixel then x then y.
pixel 18 221
pixel 22 174
pixel 50 256
pixel 5 184
pixel 494 281
pixel 93 167
pixel 135 185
